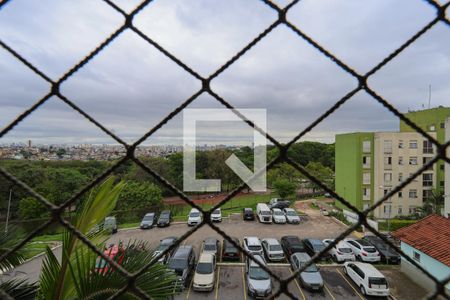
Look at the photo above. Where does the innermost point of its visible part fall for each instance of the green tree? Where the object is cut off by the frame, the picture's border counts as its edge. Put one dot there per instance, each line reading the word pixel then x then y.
pixel 139 195
pixel 433 204
pixel 30 208
pixel 284 188
pixel 324 174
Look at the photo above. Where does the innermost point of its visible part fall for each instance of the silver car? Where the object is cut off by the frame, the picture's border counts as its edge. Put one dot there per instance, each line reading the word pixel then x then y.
pixel 259 284
pixel 272 249
pixel 310 278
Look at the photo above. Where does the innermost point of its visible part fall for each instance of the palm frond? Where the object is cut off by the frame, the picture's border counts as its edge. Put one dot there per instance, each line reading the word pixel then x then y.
pixel 19 289
pixel 9 240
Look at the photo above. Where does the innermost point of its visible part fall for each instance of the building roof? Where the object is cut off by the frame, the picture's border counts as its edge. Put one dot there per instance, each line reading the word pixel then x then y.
pixel 431 235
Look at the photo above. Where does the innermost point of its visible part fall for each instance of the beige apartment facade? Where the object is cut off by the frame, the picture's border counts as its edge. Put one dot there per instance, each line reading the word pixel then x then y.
pixel 396 156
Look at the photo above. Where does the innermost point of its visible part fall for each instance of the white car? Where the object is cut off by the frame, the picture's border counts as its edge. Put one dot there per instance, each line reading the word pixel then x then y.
pixel 273 249
pixel 205 273
pixel 195 217
pixel 291 216
pixel 369 280
pixel 259 284
pixel 278 216
pixel 363 250
pixel 341 251
pixel 253 245
pixel 216 215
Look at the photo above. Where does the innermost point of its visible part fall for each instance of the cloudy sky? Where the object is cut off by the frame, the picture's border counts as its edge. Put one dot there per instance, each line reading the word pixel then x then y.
pixel 131 86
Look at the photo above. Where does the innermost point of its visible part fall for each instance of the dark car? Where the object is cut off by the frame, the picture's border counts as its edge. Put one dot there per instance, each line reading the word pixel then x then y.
pixel 314 246
pixel 163 245
pixel 248 214
pixel 183 263
pixel 164 218
pixel 148 221
pixel 279 203
pixel 292 244
pixel 388 254
pixel 229 251
pixel 211 245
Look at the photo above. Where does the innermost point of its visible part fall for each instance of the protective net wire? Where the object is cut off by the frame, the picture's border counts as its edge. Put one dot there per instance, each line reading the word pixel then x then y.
pixel 130 286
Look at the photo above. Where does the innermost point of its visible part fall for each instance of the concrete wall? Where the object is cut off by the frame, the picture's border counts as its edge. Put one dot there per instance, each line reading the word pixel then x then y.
pixel 434 267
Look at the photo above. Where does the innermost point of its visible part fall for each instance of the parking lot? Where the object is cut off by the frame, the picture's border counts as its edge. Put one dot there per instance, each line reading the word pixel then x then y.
pixel 230 283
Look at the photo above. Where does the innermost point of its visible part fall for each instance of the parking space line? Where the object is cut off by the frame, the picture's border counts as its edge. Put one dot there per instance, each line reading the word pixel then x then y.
pixel 350 284
pixel 329 292
pixel 190 286
pixel 220 252
pixel 243 284
pixel 217 283
pixel 298 286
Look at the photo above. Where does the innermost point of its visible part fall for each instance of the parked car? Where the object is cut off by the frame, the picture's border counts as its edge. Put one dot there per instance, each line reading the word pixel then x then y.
pixel 229 251
pixel 363 250
pixel 279 203
pixel 165 217
pixel 292 244
pixel 253 245
pixel 278 216
pixel 291 216
pixel 163 245
pixel 216 215
pixel 314 246
pixel 272 249
pixel 247 214
pixel 195 217
pixel 324 211
pixel 148 221
pixel 110 225
pixel 183 262
pixel 264 213
pixel 211 245
pixel 341 251
pixel 114 252
pixel 310 278
pixel 259 284
pixel 369 280
pixel 388 255
pixel 205 273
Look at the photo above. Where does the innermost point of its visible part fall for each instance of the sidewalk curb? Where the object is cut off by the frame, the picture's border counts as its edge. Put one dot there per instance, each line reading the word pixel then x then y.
pixel 356 233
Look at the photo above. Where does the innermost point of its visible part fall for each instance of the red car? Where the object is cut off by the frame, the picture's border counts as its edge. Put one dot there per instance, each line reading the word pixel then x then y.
pixel 114 252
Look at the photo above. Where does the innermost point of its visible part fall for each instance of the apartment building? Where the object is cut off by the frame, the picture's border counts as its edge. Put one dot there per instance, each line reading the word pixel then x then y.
pixel 370 164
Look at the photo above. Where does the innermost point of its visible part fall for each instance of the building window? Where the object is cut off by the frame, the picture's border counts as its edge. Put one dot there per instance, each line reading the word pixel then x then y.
pixel 441 183
pixel 427 194
pixel 427 179
pixel 416 256
pixel 399 210
pixel 427 147
pixel 385 191
pixel 412 210
pixel 387 177
pixel 366 146
pixel 400 177
pixel 388 160
pixel 366 161
pixel 400 144
pixel 400 194
pixel 426 160
pixel 410 175
pixel 413 144
pixel 442 167
pixel 387 146
pixel 412 193
pixel 432 127
pixel 400 160
pixel 366 194
pixel 366 178
pixel 413 160
pixel 442 125
pixel 387 209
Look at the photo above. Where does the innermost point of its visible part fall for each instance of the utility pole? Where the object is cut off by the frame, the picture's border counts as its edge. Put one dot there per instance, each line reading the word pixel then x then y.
pixel 9 207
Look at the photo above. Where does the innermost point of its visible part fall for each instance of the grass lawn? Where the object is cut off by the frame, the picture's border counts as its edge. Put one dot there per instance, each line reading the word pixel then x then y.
pixel 48 238
pixel 35 248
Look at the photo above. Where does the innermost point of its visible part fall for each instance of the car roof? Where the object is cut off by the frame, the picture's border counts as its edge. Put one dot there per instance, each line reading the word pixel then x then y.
pixel 368 269
pixel 206 257
pixel 210 240
pixel 315 241
pixel 258 258
pixel 183 251
pixel 169 238
pixel 165 212
pixel 248 209
pixel 110 218
pixel 149 214
pixel 276 209
pixel 364 243
pixel 289 209
pixel 252 240
pixel 194 210
pixel 271 241
pixel 302 256
pixel 290 238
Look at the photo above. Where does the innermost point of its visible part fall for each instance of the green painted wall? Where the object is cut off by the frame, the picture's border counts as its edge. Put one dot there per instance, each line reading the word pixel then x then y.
pixel 425 119
pixel 349 170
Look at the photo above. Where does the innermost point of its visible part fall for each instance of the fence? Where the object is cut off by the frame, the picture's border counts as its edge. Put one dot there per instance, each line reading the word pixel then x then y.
pixel 56 211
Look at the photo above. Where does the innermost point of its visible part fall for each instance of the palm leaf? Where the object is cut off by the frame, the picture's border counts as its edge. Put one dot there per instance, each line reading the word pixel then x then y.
pixel 19 289
pixel 9 240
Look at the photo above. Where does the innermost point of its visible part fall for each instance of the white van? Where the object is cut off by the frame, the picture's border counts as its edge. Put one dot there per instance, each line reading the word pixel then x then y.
pixel 370 281
pixel 264 213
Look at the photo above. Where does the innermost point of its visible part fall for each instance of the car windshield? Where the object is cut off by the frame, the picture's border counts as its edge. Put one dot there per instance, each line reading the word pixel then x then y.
pixel 148 218
pixel 377 280
pixel 177 263
pixel 265 213
pixel 194 214
pixel 345 250
pixel 254 248
pixel 275 248
pixel 209 247
pixel 109 221
pixel 291 213
pixel 310 269
pixel 257 273
pixel 204 268
pixel 100 263
pixel 278 213
pixel 216 212
pixel 370 249
pixel 162 247
pixel 298 247
pixel 318 247
pixel 164 216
